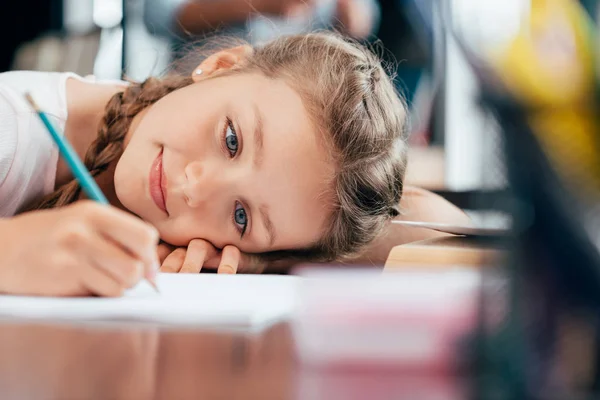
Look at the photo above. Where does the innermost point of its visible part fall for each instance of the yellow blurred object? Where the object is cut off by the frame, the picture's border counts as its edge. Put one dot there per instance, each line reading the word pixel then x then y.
pixel 550 62
pixel 550 68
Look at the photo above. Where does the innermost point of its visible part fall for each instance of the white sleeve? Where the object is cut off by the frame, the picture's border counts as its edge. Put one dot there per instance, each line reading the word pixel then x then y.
pixel 28 157
pixel 8 136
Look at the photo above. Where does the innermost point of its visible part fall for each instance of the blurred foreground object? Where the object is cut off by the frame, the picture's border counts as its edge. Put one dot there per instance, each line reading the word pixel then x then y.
pixel 540 83
pixel 415 327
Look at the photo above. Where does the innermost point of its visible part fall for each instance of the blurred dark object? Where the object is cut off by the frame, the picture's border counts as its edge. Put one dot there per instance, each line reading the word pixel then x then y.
pixel 591 6
pixel 22 21
pixel 413 35
pixel 405 48
pixel 542 90
pixel 401 34
pixel 476 199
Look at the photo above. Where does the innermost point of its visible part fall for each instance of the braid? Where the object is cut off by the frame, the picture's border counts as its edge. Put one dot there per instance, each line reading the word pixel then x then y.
pixel 108 145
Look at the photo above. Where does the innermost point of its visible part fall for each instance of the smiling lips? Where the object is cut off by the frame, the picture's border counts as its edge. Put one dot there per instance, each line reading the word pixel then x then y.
pixel 158 183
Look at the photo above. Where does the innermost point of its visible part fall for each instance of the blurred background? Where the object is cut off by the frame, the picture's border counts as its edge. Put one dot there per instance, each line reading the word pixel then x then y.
pixel 134 39
pixel 504 101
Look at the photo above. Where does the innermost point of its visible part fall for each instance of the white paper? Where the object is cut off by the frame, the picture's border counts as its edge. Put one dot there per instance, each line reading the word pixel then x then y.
pixel 236 301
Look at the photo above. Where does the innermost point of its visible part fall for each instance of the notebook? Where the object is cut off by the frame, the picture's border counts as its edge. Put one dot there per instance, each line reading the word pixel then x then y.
pixel 193 300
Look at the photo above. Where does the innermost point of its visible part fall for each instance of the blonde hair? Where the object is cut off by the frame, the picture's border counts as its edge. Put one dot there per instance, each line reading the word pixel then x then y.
pixel 352 102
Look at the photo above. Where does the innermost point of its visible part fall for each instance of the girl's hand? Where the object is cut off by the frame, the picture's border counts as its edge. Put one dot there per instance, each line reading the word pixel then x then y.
pixel 79 250
pixel 202 254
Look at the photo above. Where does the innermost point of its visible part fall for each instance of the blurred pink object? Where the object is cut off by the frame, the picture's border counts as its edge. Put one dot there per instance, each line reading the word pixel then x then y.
pixel 377 385
pixel 414 322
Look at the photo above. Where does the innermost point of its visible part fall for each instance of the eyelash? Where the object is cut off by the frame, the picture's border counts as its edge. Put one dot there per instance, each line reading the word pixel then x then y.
pixel 229 125
pixel 242 229
pixel 238 205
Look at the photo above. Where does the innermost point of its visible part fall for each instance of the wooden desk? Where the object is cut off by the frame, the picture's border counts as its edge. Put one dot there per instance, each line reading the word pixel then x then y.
pixel 65 362
pixel 444 252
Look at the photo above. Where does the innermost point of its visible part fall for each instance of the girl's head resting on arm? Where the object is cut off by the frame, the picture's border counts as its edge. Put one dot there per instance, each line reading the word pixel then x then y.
pixel 291 150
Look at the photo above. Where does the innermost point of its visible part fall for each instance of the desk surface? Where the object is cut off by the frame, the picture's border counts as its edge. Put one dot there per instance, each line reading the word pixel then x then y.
pixel 445 251
pixel 78 362
pixel 63 362
pixel 100 362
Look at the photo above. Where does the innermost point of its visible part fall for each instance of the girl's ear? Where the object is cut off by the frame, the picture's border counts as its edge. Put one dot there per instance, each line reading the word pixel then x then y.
pixel 222 61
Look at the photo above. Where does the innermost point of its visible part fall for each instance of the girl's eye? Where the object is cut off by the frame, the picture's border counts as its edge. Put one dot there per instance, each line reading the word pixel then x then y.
pixel 231 139
pixel 240 218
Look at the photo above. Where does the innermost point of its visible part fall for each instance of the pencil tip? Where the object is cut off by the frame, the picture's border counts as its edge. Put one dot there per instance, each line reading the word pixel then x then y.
pixel 154 285
pixel 31 101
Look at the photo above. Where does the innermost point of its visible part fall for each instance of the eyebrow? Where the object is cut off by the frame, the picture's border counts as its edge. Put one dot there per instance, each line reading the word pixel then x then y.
pixel 264 212
pixel 258 136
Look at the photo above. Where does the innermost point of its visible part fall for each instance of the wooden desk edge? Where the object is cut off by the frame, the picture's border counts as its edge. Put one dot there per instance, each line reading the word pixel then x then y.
pixel 442 252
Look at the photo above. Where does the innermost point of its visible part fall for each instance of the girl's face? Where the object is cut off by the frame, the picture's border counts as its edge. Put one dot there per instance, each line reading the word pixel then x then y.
pixel 233 160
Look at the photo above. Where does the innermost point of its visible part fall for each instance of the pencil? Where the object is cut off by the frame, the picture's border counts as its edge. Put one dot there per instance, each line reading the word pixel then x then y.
pixel 87 182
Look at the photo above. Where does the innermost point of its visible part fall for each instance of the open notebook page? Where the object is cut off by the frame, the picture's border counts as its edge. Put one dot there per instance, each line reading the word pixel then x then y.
pixel 236 301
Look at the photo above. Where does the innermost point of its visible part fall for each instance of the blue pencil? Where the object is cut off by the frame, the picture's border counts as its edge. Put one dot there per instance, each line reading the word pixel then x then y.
pixel 87 182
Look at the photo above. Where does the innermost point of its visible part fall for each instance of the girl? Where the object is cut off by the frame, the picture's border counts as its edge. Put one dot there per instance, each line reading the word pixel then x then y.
pixel 292 151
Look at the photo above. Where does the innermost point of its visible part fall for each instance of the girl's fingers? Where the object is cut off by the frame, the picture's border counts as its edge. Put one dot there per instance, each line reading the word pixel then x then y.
pixel 198 250
pixel 247 263
pixel 115 261
pixel 230 259
pixel 101 283
pixel 138 237
pixel 202 254
pixel 174 261
pixel 164 250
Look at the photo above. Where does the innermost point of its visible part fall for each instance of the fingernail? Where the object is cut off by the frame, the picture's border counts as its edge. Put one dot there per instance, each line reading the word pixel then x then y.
pixel 227 269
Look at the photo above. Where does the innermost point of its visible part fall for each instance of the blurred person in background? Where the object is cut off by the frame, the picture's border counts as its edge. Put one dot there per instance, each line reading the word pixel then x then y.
pixel 409 50
pixel 257 21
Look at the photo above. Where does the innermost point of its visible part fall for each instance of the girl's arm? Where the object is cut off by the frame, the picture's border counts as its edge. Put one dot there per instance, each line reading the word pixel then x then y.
pixel 416 205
